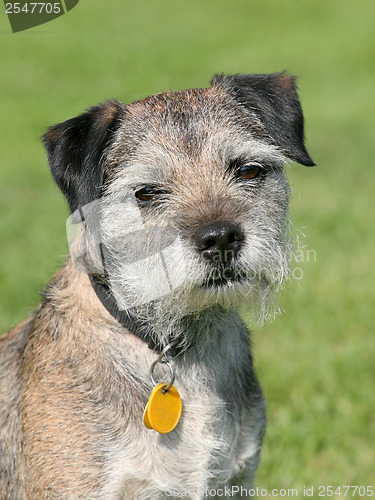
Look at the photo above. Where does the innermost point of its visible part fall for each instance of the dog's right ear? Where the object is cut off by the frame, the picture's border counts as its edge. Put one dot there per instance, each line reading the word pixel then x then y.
pixel 77 151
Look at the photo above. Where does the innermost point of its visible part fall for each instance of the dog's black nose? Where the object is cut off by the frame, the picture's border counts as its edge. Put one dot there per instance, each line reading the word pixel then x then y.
pixel 219 241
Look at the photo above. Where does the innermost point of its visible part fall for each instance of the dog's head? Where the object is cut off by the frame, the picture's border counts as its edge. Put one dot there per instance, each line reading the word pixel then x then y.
pixel 190 194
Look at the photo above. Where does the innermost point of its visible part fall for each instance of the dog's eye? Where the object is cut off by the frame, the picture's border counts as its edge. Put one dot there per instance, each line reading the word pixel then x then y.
pixel 248 172
pixel 147 193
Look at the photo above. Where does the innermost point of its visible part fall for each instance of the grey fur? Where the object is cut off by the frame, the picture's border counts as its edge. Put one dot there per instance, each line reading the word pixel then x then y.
pixel 74 382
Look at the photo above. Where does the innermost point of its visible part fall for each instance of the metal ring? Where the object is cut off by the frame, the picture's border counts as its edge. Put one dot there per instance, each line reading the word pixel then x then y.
pixel 165 361
pixel 164 353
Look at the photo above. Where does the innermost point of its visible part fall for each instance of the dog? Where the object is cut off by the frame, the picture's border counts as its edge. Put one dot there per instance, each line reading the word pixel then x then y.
pixel 179 214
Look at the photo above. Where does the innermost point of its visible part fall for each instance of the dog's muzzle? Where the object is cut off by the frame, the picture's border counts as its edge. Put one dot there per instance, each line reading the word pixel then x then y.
pixel 219 243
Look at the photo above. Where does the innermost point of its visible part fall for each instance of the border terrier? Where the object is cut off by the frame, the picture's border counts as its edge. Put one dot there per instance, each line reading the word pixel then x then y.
pixel 179 214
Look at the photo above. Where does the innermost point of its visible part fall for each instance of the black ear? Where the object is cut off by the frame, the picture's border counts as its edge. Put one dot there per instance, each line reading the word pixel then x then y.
pixel 77 149
pixel 274 99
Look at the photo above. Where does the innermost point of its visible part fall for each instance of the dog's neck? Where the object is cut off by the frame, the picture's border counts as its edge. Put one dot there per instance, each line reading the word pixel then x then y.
pixel 125 317
pixel 128 319
pixel 187 330
pixel 193 333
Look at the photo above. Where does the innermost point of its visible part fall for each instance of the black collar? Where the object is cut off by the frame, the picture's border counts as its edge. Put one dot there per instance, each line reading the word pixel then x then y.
pixel 127 319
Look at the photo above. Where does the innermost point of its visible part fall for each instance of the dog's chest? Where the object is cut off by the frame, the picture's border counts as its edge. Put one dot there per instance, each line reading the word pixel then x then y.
pixel 204 450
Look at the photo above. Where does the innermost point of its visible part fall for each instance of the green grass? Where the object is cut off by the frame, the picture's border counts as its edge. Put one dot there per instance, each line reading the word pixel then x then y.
pixel 315 362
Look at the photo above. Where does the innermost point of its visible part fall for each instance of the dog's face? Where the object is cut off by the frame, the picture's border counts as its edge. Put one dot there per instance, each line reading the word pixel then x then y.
pixel 193 198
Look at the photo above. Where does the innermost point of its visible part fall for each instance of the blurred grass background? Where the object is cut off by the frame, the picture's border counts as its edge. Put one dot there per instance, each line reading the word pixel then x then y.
pixel 316 361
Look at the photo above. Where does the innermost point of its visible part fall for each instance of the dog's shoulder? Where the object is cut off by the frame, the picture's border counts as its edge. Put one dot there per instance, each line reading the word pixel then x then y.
pixel 12 345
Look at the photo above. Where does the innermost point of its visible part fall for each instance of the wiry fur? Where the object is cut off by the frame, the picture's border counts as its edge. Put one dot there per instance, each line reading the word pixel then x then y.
pixel 73 381
pixel 199 189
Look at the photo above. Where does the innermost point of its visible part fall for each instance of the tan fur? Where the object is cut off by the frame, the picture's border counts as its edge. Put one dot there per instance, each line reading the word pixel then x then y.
pixel 74 381
pixel 75 400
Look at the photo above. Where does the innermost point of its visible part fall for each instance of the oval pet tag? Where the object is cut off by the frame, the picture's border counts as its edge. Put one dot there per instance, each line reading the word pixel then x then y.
pixel 145 418
pixel 163 410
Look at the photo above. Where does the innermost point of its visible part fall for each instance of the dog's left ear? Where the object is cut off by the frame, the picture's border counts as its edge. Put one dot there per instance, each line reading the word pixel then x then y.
pixel 77 152
pixel 274 99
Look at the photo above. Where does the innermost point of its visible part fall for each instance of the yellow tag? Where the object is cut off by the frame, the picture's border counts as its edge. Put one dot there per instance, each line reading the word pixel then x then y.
pixel 163 410
pixel 145 418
